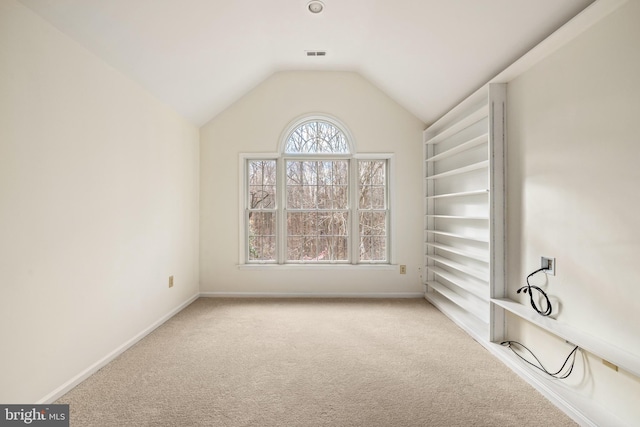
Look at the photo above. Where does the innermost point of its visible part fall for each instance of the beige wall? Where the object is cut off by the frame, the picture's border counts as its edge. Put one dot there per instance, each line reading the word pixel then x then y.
pixel 573 194
pixel 254 124
pixel 98 206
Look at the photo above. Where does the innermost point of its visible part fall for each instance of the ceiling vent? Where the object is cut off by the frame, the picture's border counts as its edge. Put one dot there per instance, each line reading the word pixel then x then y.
pixel 316 52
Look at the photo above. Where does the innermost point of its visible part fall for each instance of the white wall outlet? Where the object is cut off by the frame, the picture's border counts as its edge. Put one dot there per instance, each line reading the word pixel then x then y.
pixel 549 264
pixel 403 269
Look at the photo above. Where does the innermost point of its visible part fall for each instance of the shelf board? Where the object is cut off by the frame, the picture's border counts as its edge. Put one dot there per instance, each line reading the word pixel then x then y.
pixel 474 288
pixel 623 359
pixel 473 272
pixel 475 218
pixel 458 236
pixel 478 311
pixel 479 140
pixel 458 251
pixel 459 171
pixel 464 123
pixel 460 194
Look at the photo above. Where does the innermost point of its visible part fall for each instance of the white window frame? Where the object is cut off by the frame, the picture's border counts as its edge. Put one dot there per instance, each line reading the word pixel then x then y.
pixel 281 157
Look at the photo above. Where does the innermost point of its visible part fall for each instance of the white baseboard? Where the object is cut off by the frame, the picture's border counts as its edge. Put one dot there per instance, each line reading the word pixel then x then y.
pixel 67 386
pixel 310 295
pixel 582 409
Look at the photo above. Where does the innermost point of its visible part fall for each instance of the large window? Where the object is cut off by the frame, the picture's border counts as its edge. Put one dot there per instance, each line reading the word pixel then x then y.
pixel 317 201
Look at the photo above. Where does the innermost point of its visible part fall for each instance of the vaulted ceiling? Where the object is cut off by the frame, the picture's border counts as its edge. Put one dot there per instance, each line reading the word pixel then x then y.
pixel 200 56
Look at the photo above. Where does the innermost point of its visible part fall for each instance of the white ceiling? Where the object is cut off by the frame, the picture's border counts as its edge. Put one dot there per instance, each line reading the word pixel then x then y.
pixel 199 56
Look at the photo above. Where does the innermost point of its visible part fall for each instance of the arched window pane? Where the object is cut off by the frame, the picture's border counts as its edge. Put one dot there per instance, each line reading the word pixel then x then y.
pixel 317 137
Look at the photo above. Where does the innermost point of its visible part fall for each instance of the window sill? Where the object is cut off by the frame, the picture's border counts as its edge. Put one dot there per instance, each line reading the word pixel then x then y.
pixel 309 266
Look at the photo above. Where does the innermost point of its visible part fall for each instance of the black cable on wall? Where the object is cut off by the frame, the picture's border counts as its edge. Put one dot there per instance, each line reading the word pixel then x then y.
pixel 562 373
pixel 528 289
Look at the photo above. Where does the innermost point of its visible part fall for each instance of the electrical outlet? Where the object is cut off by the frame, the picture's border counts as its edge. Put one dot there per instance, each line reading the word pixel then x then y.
pixel 610 365
pixel 403 269
pixel 171 281
pixel 549 264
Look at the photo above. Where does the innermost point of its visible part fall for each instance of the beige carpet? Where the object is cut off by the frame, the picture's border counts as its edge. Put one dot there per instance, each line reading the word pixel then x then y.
pixel 308 362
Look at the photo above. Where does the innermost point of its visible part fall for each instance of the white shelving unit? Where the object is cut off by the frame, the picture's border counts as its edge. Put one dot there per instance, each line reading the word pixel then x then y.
pixel 464 245
pixel 464 220
pixel 464 215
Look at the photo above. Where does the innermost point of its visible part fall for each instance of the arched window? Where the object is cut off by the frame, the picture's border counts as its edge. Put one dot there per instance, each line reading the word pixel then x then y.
pixel 316 201
pixel 317 136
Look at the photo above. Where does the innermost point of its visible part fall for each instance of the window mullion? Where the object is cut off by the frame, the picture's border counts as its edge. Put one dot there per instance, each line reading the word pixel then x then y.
pixel 354 233
pixel 281 209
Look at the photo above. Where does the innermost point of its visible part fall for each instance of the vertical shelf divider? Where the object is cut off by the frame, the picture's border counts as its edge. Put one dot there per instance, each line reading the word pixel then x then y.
pixel 497 203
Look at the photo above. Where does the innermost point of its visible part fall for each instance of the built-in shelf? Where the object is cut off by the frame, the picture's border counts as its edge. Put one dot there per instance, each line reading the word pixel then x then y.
pixel 460 194
pixel 459 236
pixel 458 271
pixel 474 117
pixel 465 253
pixel 465 169
pixel 474 142
pixel 476 218
pixel 458 131
pixel 478 274
pixel 477 288
pixel 478 311
pixel 619 357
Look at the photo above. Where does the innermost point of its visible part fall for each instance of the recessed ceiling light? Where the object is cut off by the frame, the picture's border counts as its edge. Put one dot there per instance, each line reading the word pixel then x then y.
pixel 315 6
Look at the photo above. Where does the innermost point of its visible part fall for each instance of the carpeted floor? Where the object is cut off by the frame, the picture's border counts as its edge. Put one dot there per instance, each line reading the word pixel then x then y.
pixel 308 362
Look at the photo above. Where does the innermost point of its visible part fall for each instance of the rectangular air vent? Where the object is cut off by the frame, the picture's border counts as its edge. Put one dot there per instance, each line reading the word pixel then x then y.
pixel 316 52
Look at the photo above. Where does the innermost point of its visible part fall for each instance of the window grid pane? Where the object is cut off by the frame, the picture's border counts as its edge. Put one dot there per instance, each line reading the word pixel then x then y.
pixel 261 213
pixel 262 236
pixel 372 211
pixel 317 184
pixel 373 236
pixel 262 184
pixel 316 236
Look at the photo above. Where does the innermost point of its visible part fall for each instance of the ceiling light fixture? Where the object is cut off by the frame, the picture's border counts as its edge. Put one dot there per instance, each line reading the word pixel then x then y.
pixel 315 6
